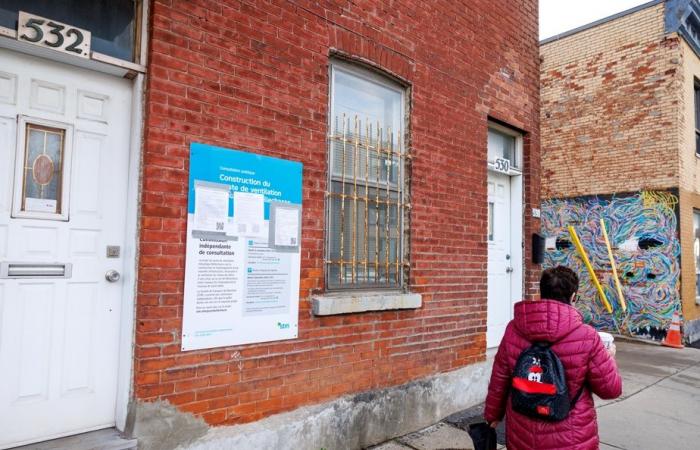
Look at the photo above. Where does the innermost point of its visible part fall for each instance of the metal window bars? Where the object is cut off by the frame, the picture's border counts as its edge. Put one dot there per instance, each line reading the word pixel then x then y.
pixel 367 206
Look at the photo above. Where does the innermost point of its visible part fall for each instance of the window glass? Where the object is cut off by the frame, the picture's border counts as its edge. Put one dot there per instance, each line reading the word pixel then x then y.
pixel 371 102
pixel 697 103
pixel 43 169
pixel 367 163
pixel 697 116
pixel 502 145
pixel 490 221
pixel 111 22
pixel 696 251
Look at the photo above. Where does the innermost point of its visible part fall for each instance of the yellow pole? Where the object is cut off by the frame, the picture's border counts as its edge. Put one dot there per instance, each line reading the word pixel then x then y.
pixel 618 286
pixel 582 252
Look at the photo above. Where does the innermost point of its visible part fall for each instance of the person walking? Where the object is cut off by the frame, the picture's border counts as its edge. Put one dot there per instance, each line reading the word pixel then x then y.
pixel 589 368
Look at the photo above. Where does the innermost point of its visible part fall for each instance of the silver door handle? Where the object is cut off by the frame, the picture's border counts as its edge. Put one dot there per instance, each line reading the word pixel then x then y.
pixel 112 276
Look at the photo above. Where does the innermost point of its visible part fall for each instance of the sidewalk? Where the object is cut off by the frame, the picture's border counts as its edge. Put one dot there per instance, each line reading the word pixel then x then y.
pixel 659 407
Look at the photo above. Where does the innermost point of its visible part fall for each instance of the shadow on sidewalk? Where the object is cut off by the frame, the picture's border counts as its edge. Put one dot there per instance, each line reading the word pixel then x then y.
pixel 474 414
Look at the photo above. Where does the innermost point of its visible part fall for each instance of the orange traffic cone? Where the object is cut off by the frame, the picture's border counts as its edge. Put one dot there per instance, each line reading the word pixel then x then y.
pixel 673 336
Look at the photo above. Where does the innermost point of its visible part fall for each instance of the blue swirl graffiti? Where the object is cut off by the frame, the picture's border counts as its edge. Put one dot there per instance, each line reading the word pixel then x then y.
pixel 644 235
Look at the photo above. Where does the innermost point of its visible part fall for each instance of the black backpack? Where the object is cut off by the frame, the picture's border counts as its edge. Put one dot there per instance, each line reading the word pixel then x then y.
pixel 538 387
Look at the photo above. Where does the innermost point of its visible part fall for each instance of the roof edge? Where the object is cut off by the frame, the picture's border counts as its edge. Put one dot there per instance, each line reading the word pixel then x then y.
pixel 602 21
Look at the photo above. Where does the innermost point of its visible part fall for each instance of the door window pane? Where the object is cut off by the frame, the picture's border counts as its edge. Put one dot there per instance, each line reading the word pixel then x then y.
pixel 505 146
pixel 43 169
pixel 111 22
pixel 490 220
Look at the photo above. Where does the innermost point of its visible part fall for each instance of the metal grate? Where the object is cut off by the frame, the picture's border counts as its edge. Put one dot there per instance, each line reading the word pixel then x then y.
pixel 367 206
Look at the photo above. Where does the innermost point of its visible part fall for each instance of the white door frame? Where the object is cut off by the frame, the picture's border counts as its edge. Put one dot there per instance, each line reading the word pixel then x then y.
pixel 131 256
pixel 517 200
pixel 516 237
pixel 131 248
pixel 115 67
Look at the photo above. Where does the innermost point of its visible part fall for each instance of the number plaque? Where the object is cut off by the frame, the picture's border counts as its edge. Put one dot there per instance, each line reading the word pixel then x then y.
pixel 54 35
pixel 502 165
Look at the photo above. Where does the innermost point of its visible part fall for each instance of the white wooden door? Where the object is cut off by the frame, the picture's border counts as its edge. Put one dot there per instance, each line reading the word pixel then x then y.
pixel 59 336
pixel 500 263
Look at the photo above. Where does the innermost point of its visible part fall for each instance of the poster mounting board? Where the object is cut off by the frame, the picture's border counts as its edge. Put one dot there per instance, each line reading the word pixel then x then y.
pixel 242 267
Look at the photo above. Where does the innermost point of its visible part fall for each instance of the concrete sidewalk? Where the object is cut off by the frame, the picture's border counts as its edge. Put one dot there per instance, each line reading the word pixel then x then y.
pixel 659 407
pixel 660 404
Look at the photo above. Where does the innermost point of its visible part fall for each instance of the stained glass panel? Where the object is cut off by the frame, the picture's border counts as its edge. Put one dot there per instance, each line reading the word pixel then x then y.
pixel 43 169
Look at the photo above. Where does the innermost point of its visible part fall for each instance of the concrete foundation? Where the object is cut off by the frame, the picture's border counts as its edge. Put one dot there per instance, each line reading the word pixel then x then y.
pixel 350 422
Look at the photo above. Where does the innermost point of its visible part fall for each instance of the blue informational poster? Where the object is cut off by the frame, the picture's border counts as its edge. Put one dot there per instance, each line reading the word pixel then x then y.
pixel 243 248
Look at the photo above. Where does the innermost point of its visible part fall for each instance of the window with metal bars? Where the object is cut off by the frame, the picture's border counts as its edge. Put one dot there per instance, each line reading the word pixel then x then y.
pixel 367 198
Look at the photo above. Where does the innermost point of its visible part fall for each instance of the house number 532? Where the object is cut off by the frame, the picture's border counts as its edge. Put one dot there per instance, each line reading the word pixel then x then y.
pixel 55 35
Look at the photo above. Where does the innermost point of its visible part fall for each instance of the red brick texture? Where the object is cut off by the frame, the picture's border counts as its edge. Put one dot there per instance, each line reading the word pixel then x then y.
pixel 254 76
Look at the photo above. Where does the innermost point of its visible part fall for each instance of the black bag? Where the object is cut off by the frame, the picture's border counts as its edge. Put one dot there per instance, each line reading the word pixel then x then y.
pixel 539 385
pixel 483 436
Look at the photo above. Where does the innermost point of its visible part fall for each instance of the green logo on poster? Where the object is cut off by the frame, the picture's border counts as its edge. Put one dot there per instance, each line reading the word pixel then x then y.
pixel 282 326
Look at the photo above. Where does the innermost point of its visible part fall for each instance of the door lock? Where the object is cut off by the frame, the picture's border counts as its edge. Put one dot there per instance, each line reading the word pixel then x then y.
pixel 509 270
pixel 112 276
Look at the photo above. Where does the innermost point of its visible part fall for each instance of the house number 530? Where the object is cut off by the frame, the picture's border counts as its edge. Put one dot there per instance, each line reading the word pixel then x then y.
pixel 55 35
pixel 502 165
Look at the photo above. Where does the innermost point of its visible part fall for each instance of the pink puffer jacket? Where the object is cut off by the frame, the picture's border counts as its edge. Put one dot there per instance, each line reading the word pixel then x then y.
pixel 585 360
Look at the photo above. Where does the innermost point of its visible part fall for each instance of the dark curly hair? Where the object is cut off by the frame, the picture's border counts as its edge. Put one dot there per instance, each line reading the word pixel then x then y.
pixel 558 283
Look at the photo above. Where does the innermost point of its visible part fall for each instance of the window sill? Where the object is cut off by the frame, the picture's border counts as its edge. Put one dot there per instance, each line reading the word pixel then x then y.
pixel 355 302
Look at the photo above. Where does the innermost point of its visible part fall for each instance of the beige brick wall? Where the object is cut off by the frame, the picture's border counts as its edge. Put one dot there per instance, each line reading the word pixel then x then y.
pixel 688 202
pixel 689 163
pixel 689 180
pixel 610 107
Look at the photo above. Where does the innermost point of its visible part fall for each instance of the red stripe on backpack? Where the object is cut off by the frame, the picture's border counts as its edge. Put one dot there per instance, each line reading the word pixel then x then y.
pixel 533 387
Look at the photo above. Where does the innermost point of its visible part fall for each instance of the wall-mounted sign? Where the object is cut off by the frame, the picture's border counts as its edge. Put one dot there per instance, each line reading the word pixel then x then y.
pixel 243 248
pixel 55 35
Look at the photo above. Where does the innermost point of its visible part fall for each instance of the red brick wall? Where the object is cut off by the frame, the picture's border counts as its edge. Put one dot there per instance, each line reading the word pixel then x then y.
pixel 254 76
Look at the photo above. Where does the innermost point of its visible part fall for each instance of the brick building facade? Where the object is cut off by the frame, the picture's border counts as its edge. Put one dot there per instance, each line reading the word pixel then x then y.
pixel 618 126
pixel 256 78
pixel 454 85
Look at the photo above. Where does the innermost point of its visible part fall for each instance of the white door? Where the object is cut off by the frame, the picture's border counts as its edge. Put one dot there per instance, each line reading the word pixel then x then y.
pixel 61 205
pixel 500 261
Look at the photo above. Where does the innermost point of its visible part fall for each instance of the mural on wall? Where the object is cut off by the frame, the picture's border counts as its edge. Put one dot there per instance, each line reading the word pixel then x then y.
pixel 643 232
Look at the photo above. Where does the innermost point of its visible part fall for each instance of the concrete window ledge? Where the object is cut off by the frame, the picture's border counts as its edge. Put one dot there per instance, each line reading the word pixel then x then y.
pixel 355 302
